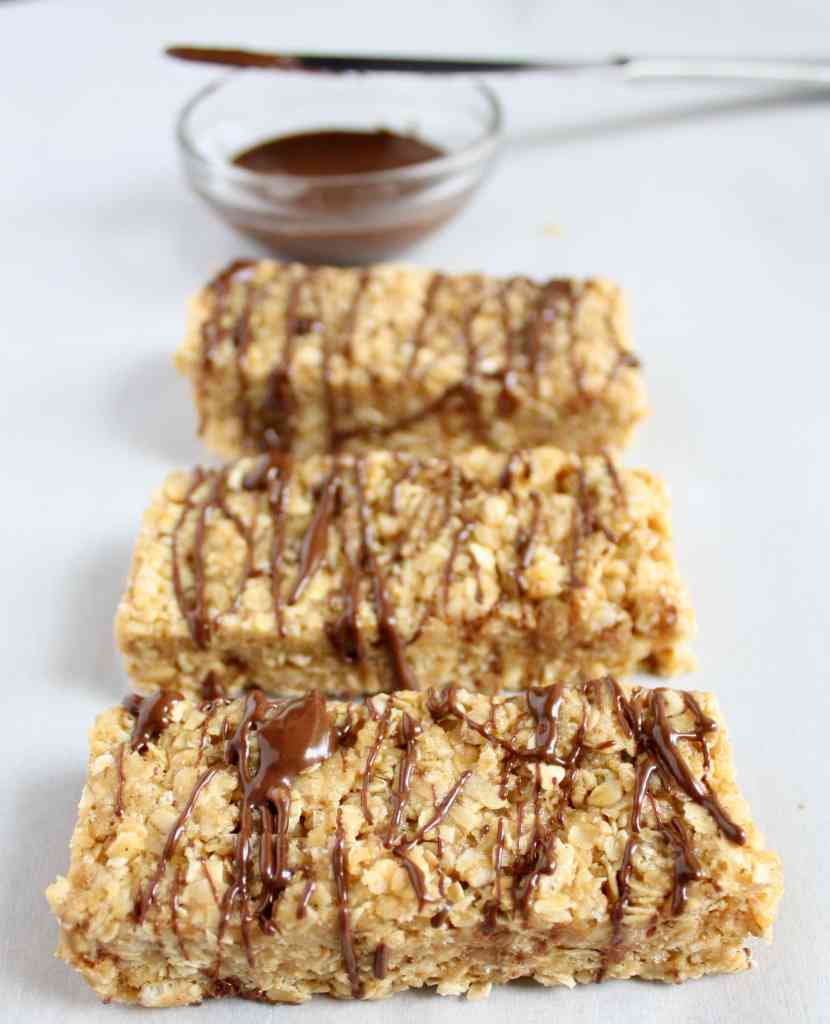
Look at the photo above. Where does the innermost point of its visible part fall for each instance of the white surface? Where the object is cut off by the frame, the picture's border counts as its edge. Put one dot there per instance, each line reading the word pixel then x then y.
pixel 709 204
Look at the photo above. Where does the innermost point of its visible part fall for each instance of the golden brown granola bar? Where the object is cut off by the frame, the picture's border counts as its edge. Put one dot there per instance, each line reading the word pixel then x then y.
pixel 381 572
pixel 277 849
pixel 317 359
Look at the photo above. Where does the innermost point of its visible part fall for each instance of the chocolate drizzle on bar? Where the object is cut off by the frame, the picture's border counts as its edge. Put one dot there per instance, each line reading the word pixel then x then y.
pixel 344 923
pixel 194 608
pixel 269 421
pixel 276 740
pixel 645 719
pixel 339 535
pixel 292 736
pixel 152 716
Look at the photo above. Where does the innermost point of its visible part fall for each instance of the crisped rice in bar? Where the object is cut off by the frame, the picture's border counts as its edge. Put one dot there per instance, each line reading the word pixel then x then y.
pixel 317 359
pixel 275 850
pixel 382 572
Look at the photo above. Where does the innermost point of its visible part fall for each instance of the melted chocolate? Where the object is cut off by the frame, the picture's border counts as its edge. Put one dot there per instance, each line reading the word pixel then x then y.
pixel 662 741
pixel 171 843
pixel 544 704
pixel 546 312
pixel 211 688
pixel 220 286
pixel 529 348
pixel 428 311
pixel 374 750
pixel 440 815
pixel 344 633
pixel 152 716
pixel 387 626
pixel 292 736
pixel 643 719
pixel 118 803
pixel 325 153
pixel 410 731
pixel 416 878
pixel 659 754
pixel 305 899
pixel 278 411
pixel 462 534
pixel 344 924
pixel 315 541
pixel 194 610
pixel 275 476
pixel 540 859
pixel 380 963
pixel 492 907
pixel 361 229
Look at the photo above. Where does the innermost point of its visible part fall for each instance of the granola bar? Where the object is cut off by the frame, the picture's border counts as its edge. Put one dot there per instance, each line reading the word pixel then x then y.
pixel 357 574
pixel 277 849
pixel 317 359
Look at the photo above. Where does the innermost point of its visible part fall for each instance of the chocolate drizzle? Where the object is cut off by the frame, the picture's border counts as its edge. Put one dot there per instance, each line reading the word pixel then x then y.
pixel 279 408
pixel 540 857
pixel 403 677
pixel 545 314
pixel 645 719
pixel 292 736
pixel 118 803
pixel 171 843
pixel 374 750
pixel 544 705
pixel 340 530
pixel 440 815
pixel 314 543
pixel 410 731
pixel 275 741
pixel 493 906
pixel 152 716
pixel 427 312
pixel 305 899
pixel 270 422
pixel 194 610
pixel 211 688
pixel 380 963
pixel 220 287
pixel 344 924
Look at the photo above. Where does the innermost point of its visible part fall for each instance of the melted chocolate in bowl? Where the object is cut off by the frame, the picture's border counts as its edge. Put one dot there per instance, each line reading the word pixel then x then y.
pixel 365 225
pixel 318 154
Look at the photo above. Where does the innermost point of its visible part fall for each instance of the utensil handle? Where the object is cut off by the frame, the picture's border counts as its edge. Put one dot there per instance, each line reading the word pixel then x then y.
pixel 796 72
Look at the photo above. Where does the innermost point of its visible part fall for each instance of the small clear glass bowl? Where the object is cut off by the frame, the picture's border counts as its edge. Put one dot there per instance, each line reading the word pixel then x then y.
pixel 350 218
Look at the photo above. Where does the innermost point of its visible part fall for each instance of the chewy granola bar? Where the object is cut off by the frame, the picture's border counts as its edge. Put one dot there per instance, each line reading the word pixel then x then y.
pixel 381 572
pixel 317 359
pixel 277 849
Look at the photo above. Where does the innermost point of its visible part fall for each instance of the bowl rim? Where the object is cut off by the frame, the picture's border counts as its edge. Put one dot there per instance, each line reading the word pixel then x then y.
pixel 479 150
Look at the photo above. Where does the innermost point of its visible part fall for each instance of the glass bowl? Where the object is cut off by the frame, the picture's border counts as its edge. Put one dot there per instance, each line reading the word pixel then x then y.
pixel 349 218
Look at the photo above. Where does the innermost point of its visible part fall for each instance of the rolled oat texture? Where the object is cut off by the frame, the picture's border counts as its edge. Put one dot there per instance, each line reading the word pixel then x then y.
pixel 315 359
pixel 360 574
pixel 278 849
